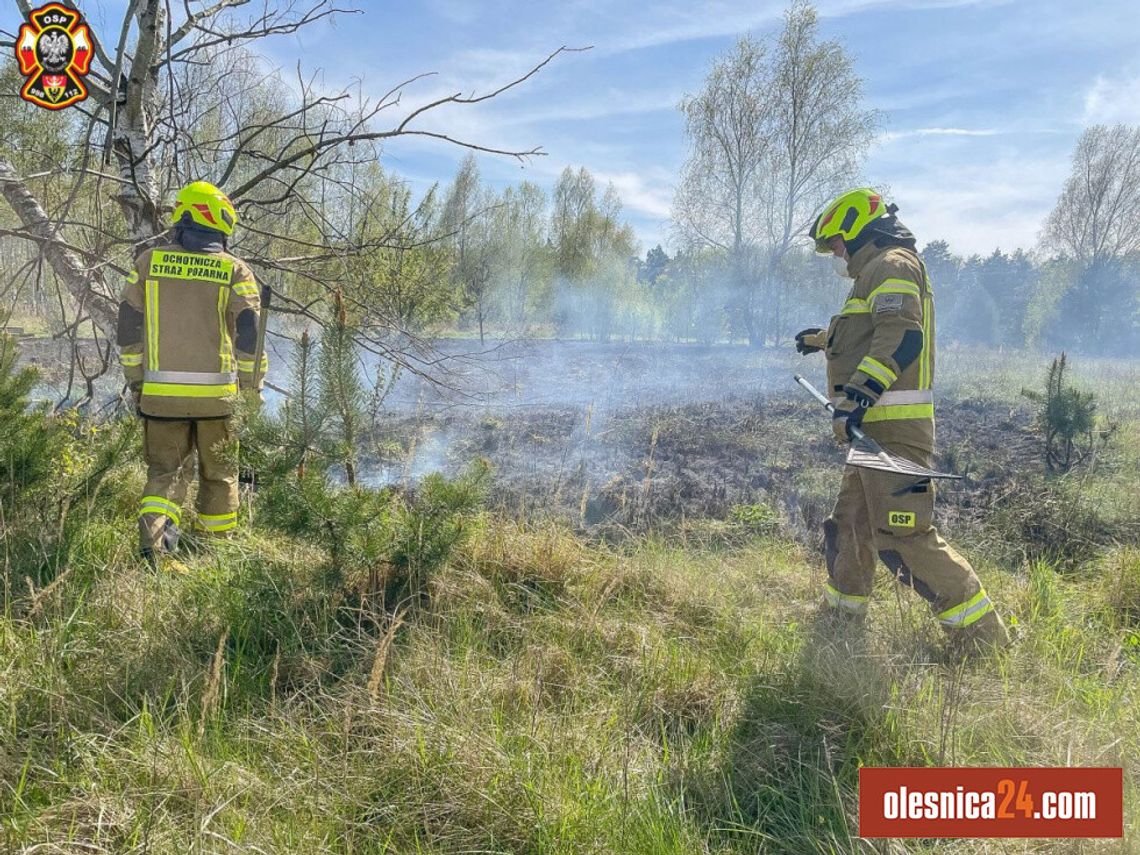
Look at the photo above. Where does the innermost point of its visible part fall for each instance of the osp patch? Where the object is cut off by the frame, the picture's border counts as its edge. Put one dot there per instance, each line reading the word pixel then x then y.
pixel 54 49
pixel 900 519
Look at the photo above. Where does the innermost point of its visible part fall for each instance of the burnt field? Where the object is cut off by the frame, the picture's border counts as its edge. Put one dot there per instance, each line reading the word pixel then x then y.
pixel 712 442
pixel 623 438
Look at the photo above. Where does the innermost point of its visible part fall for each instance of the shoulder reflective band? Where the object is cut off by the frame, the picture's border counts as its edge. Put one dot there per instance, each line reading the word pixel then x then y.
pixel 130 360
pixel 894 286
pixel 132 277
pixel 245 289
pixel 151 299
pixel 159 505
pixel 968 612
pixel 191 265
pixel 874 368
pixel 848 602
pixel 855 306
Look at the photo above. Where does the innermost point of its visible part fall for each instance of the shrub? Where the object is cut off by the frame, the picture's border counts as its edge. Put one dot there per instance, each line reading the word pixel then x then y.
pixel 1066 418
pixel 55 472
pixel 384 541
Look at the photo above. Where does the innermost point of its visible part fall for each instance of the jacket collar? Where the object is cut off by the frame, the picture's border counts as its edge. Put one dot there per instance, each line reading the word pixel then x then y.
pixel 199 239
pixel 862 258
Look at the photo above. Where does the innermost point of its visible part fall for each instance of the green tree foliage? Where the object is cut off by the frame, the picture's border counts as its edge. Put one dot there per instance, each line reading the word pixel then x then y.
pixel 304 418
pixel 523 263
pixel 470 234
pixel 28 451
pixel 342 396
pixel 381 540
pixel 399 266
pixel 769 144
pixel 592 254
pixel 654 266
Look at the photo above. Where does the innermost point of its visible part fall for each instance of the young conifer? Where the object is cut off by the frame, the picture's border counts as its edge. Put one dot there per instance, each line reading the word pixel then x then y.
pixel 342 394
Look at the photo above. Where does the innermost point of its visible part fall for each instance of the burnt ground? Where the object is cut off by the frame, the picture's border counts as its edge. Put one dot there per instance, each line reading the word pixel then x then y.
pixel 659 466
pixel 618 438
pixel 627 437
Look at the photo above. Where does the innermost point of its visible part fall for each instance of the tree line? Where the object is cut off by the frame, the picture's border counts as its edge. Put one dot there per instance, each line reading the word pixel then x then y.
pixel 767 149
pixel 182 97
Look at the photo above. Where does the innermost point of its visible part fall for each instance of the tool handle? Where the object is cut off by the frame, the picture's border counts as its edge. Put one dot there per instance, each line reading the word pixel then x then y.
pixel 830 407
pixel 263 322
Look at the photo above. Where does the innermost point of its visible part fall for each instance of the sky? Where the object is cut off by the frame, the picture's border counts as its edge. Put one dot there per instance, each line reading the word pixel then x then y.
pixel 983 100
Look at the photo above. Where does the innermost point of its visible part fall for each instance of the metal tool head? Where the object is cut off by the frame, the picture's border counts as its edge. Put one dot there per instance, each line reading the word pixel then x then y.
pixel 866 454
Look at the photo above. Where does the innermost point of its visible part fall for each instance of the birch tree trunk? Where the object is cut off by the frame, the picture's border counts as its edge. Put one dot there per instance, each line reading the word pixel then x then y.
pixel 79 278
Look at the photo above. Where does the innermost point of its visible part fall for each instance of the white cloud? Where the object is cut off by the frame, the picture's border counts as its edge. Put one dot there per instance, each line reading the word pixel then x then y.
pixel 686 21
pixel 980 204
pixel 1111 100
pixel 891 136
pixel 647 193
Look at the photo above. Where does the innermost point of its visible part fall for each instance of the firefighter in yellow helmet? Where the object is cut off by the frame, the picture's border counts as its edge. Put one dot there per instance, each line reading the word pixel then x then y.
pixel 880 375
pixel 187 334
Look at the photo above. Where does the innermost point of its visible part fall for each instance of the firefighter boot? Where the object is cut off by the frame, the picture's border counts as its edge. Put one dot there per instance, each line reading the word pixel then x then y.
pixel 986 637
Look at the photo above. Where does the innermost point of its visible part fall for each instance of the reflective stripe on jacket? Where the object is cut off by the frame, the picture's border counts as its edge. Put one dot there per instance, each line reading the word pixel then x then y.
pixel 178 331
pixel 884 333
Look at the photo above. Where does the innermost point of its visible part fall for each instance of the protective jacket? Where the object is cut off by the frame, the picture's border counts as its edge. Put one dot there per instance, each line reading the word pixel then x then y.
pixel 883 341
pixel 188 331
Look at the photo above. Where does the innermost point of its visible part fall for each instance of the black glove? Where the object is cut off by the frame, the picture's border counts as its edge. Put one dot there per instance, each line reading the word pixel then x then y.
pixel 848 414
pixel 863 397
pixel 802 346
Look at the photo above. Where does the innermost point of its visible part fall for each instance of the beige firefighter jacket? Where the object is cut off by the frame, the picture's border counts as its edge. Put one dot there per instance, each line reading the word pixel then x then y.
pixel 187 332
pixel 883 338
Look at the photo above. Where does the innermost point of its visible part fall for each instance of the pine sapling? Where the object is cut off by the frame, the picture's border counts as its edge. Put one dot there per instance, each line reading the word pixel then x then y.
pixel 342 392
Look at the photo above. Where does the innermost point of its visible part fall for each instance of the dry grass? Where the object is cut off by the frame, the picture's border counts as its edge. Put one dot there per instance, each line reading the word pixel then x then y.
pixel 549 697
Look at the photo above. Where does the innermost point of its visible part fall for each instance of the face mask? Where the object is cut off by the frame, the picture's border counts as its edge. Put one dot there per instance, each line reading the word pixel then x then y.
pixel 840 265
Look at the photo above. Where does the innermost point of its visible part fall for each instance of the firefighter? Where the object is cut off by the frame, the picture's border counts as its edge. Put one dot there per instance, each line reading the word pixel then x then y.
pixel 880 375
pixel 187 334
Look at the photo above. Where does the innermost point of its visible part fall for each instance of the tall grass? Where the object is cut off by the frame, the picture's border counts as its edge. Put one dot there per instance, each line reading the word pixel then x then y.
pixel 399 671
pixel 547 696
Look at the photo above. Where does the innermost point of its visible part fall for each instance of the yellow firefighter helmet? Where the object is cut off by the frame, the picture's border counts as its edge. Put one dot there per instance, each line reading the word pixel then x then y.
pixel 207 206
pixel 846 217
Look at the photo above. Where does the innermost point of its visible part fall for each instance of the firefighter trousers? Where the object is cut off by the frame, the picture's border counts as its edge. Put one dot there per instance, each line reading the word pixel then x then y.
pixel 883 516
pixel 170 447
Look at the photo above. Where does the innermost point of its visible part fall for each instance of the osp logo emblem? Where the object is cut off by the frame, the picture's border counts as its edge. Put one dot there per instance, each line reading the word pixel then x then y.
pixel 54 49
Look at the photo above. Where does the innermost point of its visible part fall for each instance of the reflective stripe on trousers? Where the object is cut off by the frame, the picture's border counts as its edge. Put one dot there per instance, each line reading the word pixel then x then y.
pixel 848 602
pixel 159 505
pixel 218 522
pixel 966 613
